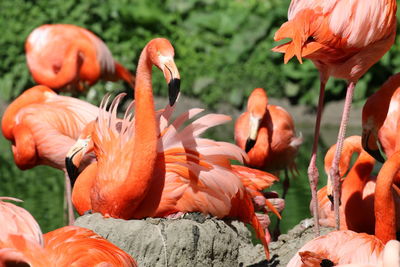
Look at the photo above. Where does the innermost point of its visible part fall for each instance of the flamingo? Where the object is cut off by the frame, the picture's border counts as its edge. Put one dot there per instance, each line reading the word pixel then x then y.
pixel 346 246
pixel 68 56
pixel 42 126
pixel 22 243
pixel 162 169
pixel 380 125
pixel 343 38
pixel 267 134
pixel 358 188
pixel 17 220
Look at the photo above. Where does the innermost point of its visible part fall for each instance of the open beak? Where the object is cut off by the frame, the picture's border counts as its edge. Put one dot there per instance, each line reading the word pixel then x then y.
pixel 370 145
pixel 172 76
pixel 74 158
pixel 254 126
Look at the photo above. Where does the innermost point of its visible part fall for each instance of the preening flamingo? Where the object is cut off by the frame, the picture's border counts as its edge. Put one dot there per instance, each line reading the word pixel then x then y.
pixel 68 56
pixel 162 169
pixel 345 247
pixel 358 190
pixel 21 244
pixel 267 134
pixel 42 126
pixel 343 38
pixel 380 120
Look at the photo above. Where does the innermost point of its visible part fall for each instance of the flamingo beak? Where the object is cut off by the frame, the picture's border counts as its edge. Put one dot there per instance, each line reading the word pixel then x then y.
pixel 254 126
pixel 74 158
pixel 329 190
pixel 371 147
pixel 172 77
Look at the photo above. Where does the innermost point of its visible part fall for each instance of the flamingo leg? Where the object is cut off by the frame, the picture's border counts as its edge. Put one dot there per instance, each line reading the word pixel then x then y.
pixel 68 201
pixel 334 171
pixel 286 184
pixel 312 168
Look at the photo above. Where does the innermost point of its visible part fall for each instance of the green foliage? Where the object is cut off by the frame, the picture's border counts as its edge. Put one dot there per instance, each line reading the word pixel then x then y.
pixel 223 48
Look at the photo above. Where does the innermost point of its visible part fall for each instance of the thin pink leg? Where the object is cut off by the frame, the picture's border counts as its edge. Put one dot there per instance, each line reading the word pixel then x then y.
pixel 334 171
pixel 70 209
pixel 312 168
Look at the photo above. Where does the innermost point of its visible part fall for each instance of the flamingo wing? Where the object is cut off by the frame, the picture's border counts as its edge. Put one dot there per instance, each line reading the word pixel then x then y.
pixel 18 221
pixel 77 246
pixel 342 247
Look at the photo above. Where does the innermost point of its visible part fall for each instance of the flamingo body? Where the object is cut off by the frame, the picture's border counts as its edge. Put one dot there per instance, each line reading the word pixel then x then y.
pixel 63 55
pixel 22 244
pixel 381 125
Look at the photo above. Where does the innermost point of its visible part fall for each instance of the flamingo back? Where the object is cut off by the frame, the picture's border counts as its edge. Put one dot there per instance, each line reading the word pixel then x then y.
pixel 77 246
pixel 17 220
pixel 341 247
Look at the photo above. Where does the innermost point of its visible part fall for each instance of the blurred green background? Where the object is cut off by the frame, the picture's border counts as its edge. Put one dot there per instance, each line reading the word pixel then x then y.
pixel 223 51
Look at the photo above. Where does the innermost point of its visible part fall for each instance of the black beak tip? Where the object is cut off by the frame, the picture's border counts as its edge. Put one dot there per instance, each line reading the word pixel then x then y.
pixel 72 170
pixel 332 201
pixel 331 198
pixel 173 90
pixel 249 145
pixel 377 155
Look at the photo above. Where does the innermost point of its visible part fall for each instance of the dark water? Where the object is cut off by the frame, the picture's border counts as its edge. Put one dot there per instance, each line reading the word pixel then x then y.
pixel 42 188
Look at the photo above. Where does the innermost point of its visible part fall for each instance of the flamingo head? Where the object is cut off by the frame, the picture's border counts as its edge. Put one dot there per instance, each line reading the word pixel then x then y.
pixel 257 107
pixel 76 153
pixel 162 54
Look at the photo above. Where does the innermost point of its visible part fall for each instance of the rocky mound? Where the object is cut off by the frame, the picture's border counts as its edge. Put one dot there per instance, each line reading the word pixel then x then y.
pixel 195 240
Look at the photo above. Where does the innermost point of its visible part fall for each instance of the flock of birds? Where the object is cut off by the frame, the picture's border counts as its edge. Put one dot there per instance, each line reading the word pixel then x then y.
pixel 146 164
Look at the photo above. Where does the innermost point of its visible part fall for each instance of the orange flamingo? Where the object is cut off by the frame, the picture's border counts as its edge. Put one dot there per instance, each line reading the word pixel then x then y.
pixel 343 38
pixel 67 246
pixel 42 126
pixel 345 247
pixel 17 220
pixel 358 188
pixel 380 125
pixel 68 56
pixel 162 169
pixel 267 134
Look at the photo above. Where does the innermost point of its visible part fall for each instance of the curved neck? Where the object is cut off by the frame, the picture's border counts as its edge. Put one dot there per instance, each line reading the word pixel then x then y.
pixel 360 173
pixel 36 94
pixel 71 64
pixel 385 213
pixel 140 175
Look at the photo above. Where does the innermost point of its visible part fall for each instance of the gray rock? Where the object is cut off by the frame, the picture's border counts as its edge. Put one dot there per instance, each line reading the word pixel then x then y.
pixel 197 240
pixel 193 240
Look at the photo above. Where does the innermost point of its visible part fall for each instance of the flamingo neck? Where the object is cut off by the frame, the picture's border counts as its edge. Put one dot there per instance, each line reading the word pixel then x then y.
pixel 72 64
pixel 140 175
pixel 360 172
pixel 385 214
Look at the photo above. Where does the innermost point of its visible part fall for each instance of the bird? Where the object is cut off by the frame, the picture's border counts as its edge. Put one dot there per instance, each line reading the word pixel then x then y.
pixel 66 246
pixel 343 38
pixel 266 132
pixel 162 168
pixel 42 125
pixel 64 56
pixel 380 125
pixel 358 190
pixel 17 220
pixel 346 246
